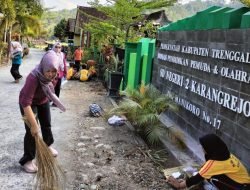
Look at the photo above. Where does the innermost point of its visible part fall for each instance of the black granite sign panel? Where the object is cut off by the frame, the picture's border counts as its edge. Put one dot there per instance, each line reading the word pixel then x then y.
pixel 208 75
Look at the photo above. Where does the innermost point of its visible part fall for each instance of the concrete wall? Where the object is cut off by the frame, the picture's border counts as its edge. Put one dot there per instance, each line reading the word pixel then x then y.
pixel 208 75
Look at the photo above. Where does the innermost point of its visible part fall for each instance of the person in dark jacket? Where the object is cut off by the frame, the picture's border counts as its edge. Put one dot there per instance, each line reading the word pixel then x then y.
pixel 222 169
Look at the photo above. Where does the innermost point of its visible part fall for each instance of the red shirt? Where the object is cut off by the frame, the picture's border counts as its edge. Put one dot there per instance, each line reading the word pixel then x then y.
pixel 32 93
pixel 78 54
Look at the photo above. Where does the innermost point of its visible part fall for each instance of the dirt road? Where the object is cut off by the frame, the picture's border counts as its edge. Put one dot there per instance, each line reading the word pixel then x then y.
pixel 93 154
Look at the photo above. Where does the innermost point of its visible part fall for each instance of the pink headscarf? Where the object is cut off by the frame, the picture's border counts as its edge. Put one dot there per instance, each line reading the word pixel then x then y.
pixel 60 54
pixel 49 61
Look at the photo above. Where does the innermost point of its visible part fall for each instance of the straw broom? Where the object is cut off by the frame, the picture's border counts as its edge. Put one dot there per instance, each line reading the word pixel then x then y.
pixel 50 176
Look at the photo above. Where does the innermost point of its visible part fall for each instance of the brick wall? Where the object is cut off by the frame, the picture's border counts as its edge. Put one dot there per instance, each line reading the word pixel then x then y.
pixel 208 75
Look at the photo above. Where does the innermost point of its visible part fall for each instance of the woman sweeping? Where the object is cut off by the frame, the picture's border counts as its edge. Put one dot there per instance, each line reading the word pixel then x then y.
pixel 34 101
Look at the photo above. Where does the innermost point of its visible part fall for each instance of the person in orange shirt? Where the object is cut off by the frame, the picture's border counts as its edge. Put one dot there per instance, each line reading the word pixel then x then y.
pixel 222 169
pixel 78 54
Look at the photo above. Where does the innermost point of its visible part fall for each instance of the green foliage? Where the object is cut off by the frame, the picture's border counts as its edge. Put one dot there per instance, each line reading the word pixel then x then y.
pixel 51 18
pixel 27 25
pixel 22 16
pixel 142 108
pixel 29 7
pixel 7 8
pixel 3 51
pixel 28 12
pixel 246 2
pixel 60 30
pixel 121 14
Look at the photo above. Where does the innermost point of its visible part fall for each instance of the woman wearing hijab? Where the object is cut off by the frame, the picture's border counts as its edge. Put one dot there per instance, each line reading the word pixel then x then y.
pixel 222 168
pixel 34 104
pixel 16 56
pixel 62 71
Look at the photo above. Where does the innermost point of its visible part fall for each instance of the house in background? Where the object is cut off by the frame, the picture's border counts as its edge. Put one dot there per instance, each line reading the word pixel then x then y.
pixel 158 18
pixel 81 36
pixel 70 31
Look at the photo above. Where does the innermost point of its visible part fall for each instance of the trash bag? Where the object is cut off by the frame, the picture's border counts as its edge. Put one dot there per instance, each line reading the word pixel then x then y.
pixel 95 110
pixel 116 120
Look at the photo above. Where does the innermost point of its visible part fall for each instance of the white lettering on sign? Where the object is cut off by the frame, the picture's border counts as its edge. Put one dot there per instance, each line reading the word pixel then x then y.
pixel 171 47
pixel 187 105
pixel 230 55
pixel 226 72
pixel 172 59
pixel 235 74
pixel 216 123
pixel 224 99
pixel 200 66
pixel 232 102
pixel 205 52
pixel 174 78
pixel 195 50
pixel 162 73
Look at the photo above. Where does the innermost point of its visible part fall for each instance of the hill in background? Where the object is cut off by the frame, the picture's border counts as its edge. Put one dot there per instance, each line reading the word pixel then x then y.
pixel 51 18
pixel 174 13
pixel 180 11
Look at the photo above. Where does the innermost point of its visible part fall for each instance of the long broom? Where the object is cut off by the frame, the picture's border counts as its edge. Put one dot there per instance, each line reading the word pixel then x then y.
pixel 49 176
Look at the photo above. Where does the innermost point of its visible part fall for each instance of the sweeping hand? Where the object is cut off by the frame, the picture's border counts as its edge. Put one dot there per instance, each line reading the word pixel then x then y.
pixel 34 130
pixel 174 182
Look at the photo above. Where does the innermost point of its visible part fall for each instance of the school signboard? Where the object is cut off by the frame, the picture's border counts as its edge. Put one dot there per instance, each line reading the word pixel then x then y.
pixel 207 73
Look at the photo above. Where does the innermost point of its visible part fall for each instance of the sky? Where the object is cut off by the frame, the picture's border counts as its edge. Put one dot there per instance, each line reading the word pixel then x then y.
pixel 71 4
pixel 66 4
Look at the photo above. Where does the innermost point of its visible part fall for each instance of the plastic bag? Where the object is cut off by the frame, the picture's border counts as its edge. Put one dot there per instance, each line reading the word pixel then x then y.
pixel 95 110
pixel 116 120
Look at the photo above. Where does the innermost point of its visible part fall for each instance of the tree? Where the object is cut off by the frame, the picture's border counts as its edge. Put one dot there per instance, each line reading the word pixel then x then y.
pixel 9 14
pixel 28 14
pixel 121 14
pixel 60 30
pixel 246 2
pixel 21 17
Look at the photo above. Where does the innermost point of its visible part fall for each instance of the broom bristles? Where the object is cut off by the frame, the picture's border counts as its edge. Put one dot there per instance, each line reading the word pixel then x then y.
pixel 49 176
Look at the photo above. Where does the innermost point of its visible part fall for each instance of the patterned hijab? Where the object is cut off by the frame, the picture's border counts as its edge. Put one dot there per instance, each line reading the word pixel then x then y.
pixel 215 148
pixel 60 54
pixel 49 61
pixel 56 44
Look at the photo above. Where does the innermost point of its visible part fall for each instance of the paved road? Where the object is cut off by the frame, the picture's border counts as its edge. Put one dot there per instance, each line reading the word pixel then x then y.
pixel 12 130
pixel 90 151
